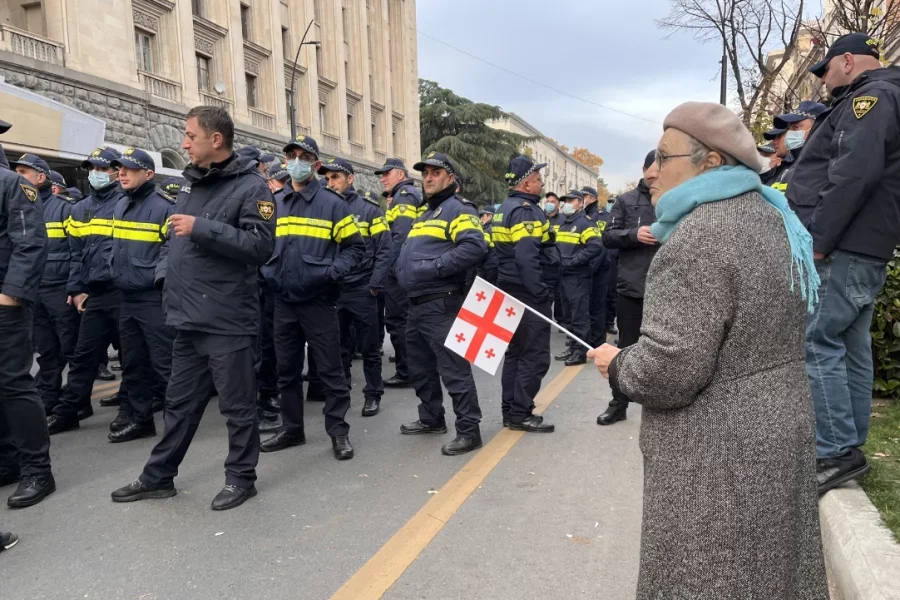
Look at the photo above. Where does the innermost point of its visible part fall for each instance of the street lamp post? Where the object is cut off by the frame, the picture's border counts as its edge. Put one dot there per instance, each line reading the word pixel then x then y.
pixel 303 42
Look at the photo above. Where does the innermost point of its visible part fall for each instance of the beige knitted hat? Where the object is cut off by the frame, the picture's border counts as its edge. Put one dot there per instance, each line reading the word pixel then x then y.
pixel 718 128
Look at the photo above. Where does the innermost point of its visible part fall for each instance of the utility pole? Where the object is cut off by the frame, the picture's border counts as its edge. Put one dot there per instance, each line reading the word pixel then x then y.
pixel 723 91
pixel 303 42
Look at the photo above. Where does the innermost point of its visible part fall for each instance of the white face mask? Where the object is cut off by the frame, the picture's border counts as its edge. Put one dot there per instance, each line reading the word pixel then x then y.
pixel 567 209
pixel 766 169
pixel 794 139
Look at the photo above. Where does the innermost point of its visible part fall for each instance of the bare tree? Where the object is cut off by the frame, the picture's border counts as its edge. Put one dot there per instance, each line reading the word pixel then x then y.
pixel 748 30
pixel 878 18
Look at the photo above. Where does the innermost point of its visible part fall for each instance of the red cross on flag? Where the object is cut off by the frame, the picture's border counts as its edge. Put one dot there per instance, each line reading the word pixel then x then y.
pixel 485 325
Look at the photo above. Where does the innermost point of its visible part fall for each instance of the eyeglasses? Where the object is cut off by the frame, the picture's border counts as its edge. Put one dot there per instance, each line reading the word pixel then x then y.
pixel 661 158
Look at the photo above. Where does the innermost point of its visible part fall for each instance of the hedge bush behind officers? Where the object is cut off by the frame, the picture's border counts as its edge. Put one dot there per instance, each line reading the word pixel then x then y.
pixel 444 247
pixel 55 320
pixel 221 232
pixel 90 288
pixel 317 245
pixel 140 224
pixel 845 191
pixel 405 206
pixel 358 306
pixel 580 249
pixel 24 443
pixel 522 237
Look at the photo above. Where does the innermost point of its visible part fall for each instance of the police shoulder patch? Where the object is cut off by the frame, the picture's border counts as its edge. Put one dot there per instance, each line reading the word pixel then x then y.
pixel 475 220
pixel 862 105
pixel 266 209
pixel 574 228
pixel 30 192
pixel 371 200
pixel 529 227
pixel 437 211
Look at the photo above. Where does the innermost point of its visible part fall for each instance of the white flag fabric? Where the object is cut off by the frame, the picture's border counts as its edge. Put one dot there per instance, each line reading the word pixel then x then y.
pixel 485 325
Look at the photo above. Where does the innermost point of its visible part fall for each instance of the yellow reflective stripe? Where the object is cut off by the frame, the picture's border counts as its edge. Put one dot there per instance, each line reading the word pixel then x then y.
pixel 404 210
pixel 589 233
pixel 379 225
pixel 568 237
pixel 780 186
pixel 137 225
pixel 363 228
pixel 463 223
pixel 302 230
pixel 344 229
pixel 421 210
pixel 137 236
pixel 520 231
pixel 487 238
pixel 56 229
pixel 165 228
pixel 304 221
pixel 436 229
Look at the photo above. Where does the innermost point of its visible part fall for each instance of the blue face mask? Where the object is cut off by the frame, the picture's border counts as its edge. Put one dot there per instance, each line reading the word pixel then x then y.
pixel 496 208
pixel 549 208
pixel 299 170
pixel 98 179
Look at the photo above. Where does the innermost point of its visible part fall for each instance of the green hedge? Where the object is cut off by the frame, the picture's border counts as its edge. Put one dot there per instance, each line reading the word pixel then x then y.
pixel 886 333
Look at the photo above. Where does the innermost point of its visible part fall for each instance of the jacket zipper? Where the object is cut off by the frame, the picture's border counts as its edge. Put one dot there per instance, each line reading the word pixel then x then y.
pixel 22 217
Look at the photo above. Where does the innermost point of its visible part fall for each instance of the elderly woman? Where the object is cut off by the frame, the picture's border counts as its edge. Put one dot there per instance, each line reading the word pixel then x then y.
pixel 727 432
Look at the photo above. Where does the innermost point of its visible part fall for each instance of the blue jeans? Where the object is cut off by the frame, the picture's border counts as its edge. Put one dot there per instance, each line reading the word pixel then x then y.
pixel 839 350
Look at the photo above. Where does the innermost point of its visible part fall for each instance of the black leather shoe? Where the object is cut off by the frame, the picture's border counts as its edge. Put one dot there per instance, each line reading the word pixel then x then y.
pixel 57 424
pixel 115 366
pixel 104 374
pixel 32 489
pixel 613 414
pixel 576 359
pixel 85 413
pixel 270 404
pixel 563 356
pixel 418 428
pixel 371 407
pixel 392 358
pixel 506 422
pixel 133 431
pixel 534 424
pixel 340 445
pixel 832 472
pixel 397 382
pixel 461 445
pixel 9 477
pixel 611 330
pixel 138 490
pixel 275 403
pixel 158 405
pixel 270 425
pixel 282 440
pixel 232 496
pixel 112 400
pixel 7 540
pixel 119 423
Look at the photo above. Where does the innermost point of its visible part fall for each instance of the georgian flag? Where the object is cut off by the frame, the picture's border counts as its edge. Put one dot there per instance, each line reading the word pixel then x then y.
pixel 485 325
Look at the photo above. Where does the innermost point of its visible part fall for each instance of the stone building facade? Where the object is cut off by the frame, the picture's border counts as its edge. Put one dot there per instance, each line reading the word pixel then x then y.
pixel 140 65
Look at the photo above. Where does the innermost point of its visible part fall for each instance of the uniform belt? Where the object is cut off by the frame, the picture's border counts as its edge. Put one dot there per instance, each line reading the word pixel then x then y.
pixel 429 297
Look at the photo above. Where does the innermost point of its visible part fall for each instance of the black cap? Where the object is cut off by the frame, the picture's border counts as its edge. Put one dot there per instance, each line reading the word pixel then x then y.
pixel 588 191
pixel 487 210
pixel 808 109
pixel 519 168
pixel 391 164
pixel 649 159
pixel 172 185
pixel 773 133
pixel 4 126
pixel 279 172
pixel 766 149
pixel 336 164
pixel 852 43
pixel 133 158
pixel 32 161
pixel 304 142
pixel 74 193
pixel 101 157
pixel 554 194
pixel 370 196
pixel 436 159
pixel 254 153
pixel 56 178
pixel 573 194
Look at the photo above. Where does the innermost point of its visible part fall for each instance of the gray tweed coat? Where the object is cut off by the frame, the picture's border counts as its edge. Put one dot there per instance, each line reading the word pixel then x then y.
pixel 727 432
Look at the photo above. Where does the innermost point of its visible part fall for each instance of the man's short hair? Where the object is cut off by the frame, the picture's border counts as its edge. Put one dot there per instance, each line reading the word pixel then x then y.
pixel 213 119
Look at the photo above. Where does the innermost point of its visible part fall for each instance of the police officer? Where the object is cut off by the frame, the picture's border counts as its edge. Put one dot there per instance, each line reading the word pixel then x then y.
pixel 140 224
pixel 278 179
pixel 598 305
pixel 580 247
pixel 405 207
pixel 522 239
pixel 628 232
pixel 784 158
pixel 55 320
pixel 555 218
pixel 221 232
pixel 170 188
pixel 24 443
pixel 318 245
pixel 444 247
pixel 75 194
pixel 357 306
pixel 844 189
pixel 798 123
pixel 256 155
pixel 90 288
pixel 58 184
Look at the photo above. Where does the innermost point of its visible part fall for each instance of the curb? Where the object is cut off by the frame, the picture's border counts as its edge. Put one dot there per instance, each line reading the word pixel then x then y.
pixel 862 557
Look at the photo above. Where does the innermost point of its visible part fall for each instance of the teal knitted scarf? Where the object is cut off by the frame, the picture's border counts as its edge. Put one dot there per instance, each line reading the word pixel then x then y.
pixel 727 182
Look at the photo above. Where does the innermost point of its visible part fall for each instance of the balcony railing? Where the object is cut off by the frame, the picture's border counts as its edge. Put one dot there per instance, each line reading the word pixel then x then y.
pixel 332 142
pixel 261 119
pixel 210 100
pixel 160 87
pixel 357 150
pixel 380 157
pixel 25 43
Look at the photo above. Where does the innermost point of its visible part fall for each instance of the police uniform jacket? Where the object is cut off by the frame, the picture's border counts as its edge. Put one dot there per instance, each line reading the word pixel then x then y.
pixel 556 220
pixel 600 220
pixel 631 211
pixel 444 247
pixel 140 224
pixel 210 276
pixel 90 241
pixel 372 269
pixel 776 175
pixel 406 207
pixel 527 255
pixel 580 245
pixel 488 268
pixel 846 185
pixel 317 244
pixel 57 214
pixel 23 237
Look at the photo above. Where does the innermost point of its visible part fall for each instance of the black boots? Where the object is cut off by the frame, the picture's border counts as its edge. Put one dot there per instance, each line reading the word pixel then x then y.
pixel 613 414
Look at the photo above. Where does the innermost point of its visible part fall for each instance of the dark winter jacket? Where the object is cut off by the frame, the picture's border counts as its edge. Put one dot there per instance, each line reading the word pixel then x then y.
pixel 631 211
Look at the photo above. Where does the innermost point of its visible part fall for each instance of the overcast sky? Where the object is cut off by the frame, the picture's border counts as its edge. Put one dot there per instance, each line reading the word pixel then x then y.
pixel 608 52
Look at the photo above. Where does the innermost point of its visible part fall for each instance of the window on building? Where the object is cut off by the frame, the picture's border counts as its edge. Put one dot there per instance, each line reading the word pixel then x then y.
pixel 320 62
pixel 203 73
pixel 251 90
pixel 347 73
pixel 350 125
pixel 245 21
pixel 288 95
pixel 374 136
pixel 286 44
pixel 196 7
pixel 143 48
pixel 323 116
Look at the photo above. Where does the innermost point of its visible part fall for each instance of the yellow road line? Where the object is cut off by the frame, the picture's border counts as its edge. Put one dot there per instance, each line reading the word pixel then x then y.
pixel 389 563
